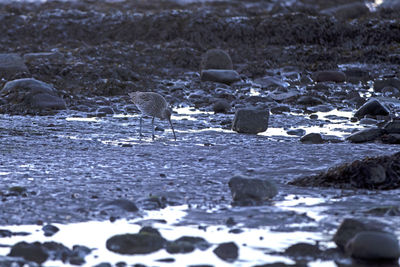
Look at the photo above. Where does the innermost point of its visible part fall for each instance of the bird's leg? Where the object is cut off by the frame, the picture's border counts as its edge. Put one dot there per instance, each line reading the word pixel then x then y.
pixel 141 122
pixel 172 127
pixel 152 127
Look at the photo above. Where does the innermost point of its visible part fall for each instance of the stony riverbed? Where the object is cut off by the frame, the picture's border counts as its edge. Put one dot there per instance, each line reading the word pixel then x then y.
pixel 72 158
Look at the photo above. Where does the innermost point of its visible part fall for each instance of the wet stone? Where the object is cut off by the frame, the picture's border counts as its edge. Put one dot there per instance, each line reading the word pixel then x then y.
pixel 220 76
pixel 49 229
pixel 245 189
pixel 392 127
pixel 379 85
pixel 103 264
pixel 105 110
pixel 303 250
pixel 309 101
pixel 142 243
pixel 123 204
pixel 366 135
pixel 349 228
pixel 371 245
pixel 11 65
pixel 31 95
pixel 348 11
pixel 216 59
pixel 391 138
pixel 312 138
pixel 373 107
pixel 227 251
pixel 251 121
pixel 280 109
pixel 5 233
pixel 329 76
pixel 30 252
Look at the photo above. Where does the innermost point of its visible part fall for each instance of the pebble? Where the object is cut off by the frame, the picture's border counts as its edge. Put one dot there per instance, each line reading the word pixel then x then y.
pixel 220 76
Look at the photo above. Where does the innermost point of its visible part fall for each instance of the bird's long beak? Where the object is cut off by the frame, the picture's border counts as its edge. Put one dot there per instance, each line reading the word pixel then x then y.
pixel 172 127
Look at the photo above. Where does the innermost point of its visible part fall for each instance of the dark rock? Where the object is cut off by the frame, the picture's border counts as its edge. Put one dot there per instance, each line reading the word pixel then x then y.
pixel 141 243
pixel 349 228
pixel 379 85
pixel 309 101
pixel 370 245
pixel 221 106
pixel 389 91
pixel 245 188
pixel 49 229
pixel 391 138
pixel 392 127
pixel 250 121
pixel 269 82
pixel 366 135
pixel 303 250
pixel 11 65
pixel 284 96
pixel 356 75
pixel 179 247
pixel 30 252
pixel 370 173
pixel 103 264
pixel 373 107
pixel 32 94
pixel 385 211
pixel 368 121
pixel 320 108
pixel 168 260
pixel 5 233
pixel 227 251
pixel 312 138
pixel 298 132
pixel 216 59
pixel 198 242
pixel 348 11
pixel 329 76
pixel 220 76
pixel 123 204
pixel 280 109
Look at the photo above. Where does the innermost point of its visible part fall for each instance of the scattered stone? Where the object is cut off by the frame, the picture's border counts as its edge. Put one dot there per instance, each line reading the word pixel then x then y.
pixel 284 96
pixel 356 75
pixel 105 110
pixel 30 252
pixel 251 121
pixel 221 106
pixel 370 245
pixel 5 233
pixel 220 76
pixel 298 132
pixel 50 230
pixel 30 94
pixel 269 82
pixel 368 121
pixel 370 173
pixel 372 107
pixel 320 108
pixel 168 260
pixel 312 138
pixel 142 243
pixel 103 264
pixel 389 91
pixel 123 204
pixel 227 251
pixel 250 189
pixel 216 59
pixel 309 100
pixel 385 211
pixel 11 65
pixel 329 76
pixel 348 11
pixel 366 135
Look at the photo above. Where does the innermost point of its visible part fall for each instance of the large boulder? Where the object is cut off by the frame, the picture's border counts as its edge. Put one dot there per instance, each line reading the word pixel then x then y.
pixel 216 59
pixel 11 65
pixel 251 121
pixel 366 135
pixel 30 96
